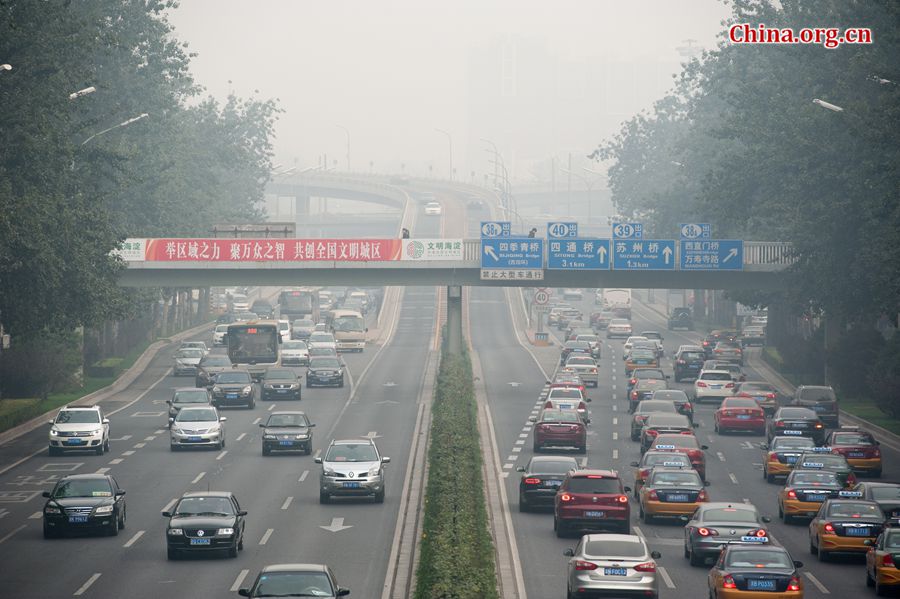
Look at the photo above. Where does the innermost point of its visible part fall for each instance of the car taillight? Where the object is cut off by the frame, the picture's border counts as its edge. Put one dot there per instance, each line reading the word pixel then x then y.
pixel 645 473
pixel 887 560
pixel 770 396
pixel 792 494
pixel 681 361
pixel 622 499
pixel 566 497
pixel 634 395
pixel 794 584
pixel 726 413
pixel 851 479
pixel 701 384
pixel 728 582
pixel 645 567
pixel 876 453
pixel 582 406
pixel 549 404
pixel 687 432
pixel 652 433
pixel 706 344
pixel 641 418
pixel 707 532
pixel 729 385
pixel 820 425
pixel 688 406
pixel 653 496
pixel 581 565
pixel 532 481
pixel 757 533
pixel 632 382
pixel 773 457
pixel 574 428
pixel 829 527
pixel 702 496
pixel 779 424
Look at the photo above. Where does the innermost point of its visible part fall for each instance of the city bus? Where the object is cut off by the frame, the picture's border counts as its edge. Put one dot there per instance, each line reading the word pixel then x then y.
pixel 254 345
pixel 299 303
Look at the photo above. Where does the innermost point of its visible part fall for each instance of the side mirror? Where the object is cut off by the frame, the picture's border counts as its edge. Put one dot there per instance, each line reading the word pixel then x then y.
pixel 706 483
pixel 764 446
pixel 385 460
pixel 587 421
pixel 171 420
pixel 106 421
pixel 51 422
pixel 798 564
pixel 318 460
pixel 242 513
pixel 766 519
pixel 532 419
pixel 311 425
pixel 169 401
pixel 342 592
pixel 634 464
pixel 262 425
pixel 167 514
pixel 655 554
pixel 520 468
pixel 46 494
pixel 244 592
pixel 684 519
pixel 569 552
pixel 704 447
pixel 223 418
pixel 627 489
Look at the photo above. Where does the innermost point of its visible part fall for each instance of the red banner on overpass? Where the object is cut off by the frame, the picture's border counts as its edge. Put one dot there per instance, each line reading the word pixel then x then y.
pixel 264 250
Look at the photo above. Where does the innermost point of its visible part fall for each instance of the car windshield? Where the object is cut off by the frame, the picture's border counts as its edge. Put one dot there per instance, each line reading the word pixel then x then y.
pixel 563 393
pixel 855 509
pixel 293 584
pixel 852 439
pixel 233 378
pixel 287 420
pixel 195 506
pixel 293 345
pixel 190 353
pixel 594 484
pixel 886 492
pixel 83 488
pixel 691 355
pixel 792 443
pixel 559 416
pixel 670 395
pixel 812 478
pixel 215 361
pixel 817 394
pixel 762 387
pixel 680 479
pixel 615 549
pixel 552 466
pixel 78 417
pixel 351 452
pixel 191 415
pixel 191 396
pixel 759 559
pixel 716 376
pixel 280 374
pixel 583 345
pixel 730 514
pixel 324 362
pixel 580 361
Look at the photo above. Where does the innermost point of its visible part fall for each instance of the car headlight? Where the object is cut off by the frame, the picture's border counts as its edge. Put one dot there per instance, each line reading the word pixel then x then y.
pixel 176 532
pixel 374 471
pixel 216 428
pixel 270 437
pixel 328 472
pixel 294 386
pixel 246 390
pixel 216 389
pixel 54 432
pixel 268 386
pixel 104 509
pixel 303 436
pixel 177 431
pixel 225 531
pixel 52 510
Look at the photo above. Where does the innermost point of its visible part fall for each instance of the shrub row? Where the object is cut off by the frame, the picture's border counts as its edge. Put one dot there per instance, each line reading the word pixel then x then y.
pixel 456 557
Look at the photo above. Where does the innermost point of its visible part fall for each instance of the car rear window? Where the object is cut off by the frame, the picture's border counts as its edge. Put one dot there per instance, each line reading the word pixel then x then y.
pixel 855 509
pixel 198 396
pixel 646 373
pixel 813 478
pixel 817 394
pixel 670 395
pixel 579 360
pixel 757 387
pixel 681 479
pixel 853 439
pixel 559 416
pixel 759 559
pixel 883 493
pixel 716 376
pixel 793 443
pixel 729 514
pixel 614 549
pixel 679 441
pixel 740 403
pixel 647 406
pixel 563 393
pixel 691 355
pixel 800 413
pixel 553 466
pixel 583 484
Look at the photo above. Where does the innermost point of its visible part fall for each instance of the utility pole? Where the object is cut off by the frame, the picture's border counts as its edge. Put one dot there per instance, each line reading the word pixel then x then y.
pixel 569 194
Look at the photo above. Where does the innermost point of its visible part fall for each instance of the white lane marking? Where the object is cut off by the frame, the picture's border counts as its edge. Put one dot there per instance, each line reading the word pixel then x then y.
pixel 508 466
pixel 521 441
pixel 101 471
pixel 116 461
pixel 266 535
pixel 512 458
pixel 122 438
pixel 665 576
pixel 615 421
pixel 221 455
pixel 615 408
pixel 36 516
pixel 732 477
pixel 303 476
pixel 271 407
pixel 159 432
pixel 615 454
pixel 584 462
pixel 317 454
pixel 134 539
pixel 516 449
pixel 14 531
pixel 197 478
pixel 150 438
pixel 257 421
pixel 286 503
pixel 638 531
pixel 615 436
pixel 241 436
pixel 504 474
pixel 721 456
pixel 239 580
pixel 129 452
pixel 523 435
pixel 81 590
pixel 819 585
pixel 169 505
pixel 140 445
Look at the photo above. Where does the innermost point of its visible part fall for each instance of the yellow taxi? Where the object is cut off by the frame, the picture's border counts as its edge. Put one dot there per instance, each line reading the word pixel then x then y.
pixel 755 572
pixel 844 525
pixel 859 447
pixel 881 569
pixel 640 358
pixel 653 459
pixel 804 493
pixel 782 454
pixel 671 492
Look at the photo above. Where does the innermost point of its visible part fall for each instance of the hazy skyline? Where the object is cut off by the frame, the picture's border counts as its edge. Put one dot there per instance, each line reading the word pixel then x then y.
pixel 393 71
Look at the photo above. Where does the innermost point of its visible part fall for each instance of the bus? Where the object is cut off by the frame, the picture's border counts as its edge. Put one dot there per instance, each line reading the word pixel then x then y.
pixel 254 345
pixel 618 301
pixel 349 328
pixel 299 303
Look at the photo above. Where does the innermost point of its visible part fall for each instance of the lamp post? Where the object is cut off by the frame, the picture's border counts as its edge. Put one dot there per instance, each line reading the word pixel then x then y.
pixel 82 92
pixel 828 105
pixel 141 116
pixel 5 67
pixel 450 144
pixel 347 131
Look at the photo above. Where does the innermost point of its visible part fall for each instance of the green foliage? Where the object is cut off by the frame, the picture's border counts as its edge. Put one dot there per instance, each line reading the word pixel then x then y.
pixel 884 378
pixel 850 359
pixel 457 555
pixel 40 365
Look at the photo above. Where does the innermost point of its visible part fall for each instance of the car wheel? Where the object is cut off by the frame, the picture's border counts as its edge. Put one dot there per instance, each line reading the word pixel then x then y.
pixel 696 560
pixel 252 404
pixel 324 497
pixel 113 529
pixel 341 384
pixel 523 505
pixel 536 448
pixel 233 551
pixel 173 447
pixel 99 449
pixel 171 554
pixel 241 543
pixel 54 451
pixel 49 533
pixel 876 474
pixel 635 437
pixel 308 385
pixel 870 582
pixel 379 497
pixel 106 446
pixel 824 556
pixel 560 529
pixel 122 520
pixel 582 449
pixel 687 554
pixel 265 451
pixel 880 590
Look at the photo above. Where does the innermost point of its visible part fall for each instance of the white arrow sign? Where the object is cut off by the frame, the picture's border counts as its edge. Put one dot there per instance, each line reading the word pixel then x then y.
pixel 490 252
pixel 731 254
pixel 513 384
pixel 337 525
pixel 390 384
pixel 667 253
pixel 371 435
pixel 601 251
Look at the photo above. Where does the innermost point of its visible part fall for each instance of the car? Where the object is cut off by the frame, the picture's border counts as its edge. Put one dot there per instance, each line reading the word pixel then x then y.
pixel 602 320
pixel 671 492
pixel 862 451
pixel 197 426
pixel 201 345
pixel 567 380
pixel 629 344
pixel 680 318
pixel 81 428
pixel 821 458
pixel 796 422
pixel 322 352
pixel 585 367
pixel 186 396
pixel 226 318
pixel 302 328
pixel 688 361
pixel 239 302
pixel 284 330
pixel 644 373
pixel 263 308
pixel 729 351
pixel 654 459
pixel 782 453
pixel 844 525
pixel 641 358
pixel 566 316
pixel 219 333
pixel 618 327
pixel 737 374
pixel 753 335
pixel 280 383
pixel 295 580
pixel 234 387
pixel 885 494
pixel 559 428
pixel 765 394
pixel 352 468
pixel 209 368
pixel 820 399
pixel 325 371
pixel 755 571
pixel 881 569
pixel 592 340
pixel 664 424
pixel 568 398
pixel 294 353
pixel 713 385
pixel 205 521
pixel 686 444
pixel 571 348
pixel 612 564
pixel 682 403
pixel 804 493
pixel 432 209
pixel 541 478
pixel 656 337
pixel 321 339
pixel 591 500
pixel 287 431
pixel 740 414
pixel 84 503
pixel 643 410
pixel 643 390
pixel 572 295
pixel 718 525
pixel 243 316
pixel 185 361
pixel 709 342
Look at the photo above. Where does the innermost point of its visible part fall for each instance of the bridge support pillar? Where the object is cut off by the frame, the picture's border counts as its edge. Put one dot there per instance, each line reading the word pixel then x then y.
pixel 301 210
pixel 454 319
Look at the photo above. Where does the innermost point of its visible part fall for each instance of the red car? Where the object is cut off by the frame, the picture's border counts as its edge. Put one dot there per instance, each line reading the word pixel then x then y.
pixel 740 414
pixel 560 428
pixel 687 444
pixel 591 500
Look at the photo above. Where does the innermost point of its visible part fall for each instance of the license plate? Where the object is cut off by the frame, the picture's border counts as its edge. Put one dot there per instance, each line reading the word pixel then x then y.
pixel 857 531
pixel 755 584
pixel 74 442
pixel 792 459
pixel 285 442
pixel 78 519
pixel 353 485
pixel 552 483
pixel 821 408
pixel 200 541
pixel 282 390
pixel 715 386
pixel 678 497
pixel 565 406
pixel 592 514
pixel 790 432
pixel 231 396
pixel 856 454
pixel 815 497
pixel 615 571
pixel 195 439
pixel 743 416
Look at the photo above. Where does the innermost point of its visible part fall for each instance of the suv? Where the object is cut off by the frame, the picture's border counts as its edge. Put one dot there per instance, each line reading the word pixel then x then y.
pixel 680 318
pixel 592 500
pixel 821 400
pixel 688 362
pixel 352 468
pixel 263 309
pixel 234 387
pixel 663 424
pixel 280 383
pixel 209 367
pixel 79 428
pixel 713 384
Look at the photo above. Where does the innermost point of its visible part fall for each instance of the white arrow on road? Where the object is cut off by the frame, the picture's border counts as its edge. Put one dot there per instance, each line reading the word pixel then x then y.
pixel 513 384
pixel 667 253
pixel 601 251
pixel 490 252
pixel 371 435
pixel 390 384
pixel 731 254
pixel 337 525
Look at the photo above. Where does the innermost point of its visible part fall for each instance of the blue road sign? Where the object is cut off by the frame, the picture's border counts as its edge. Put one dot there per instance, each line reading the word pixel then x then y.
pixel 512 252
pixel 562 230
pixel 712 254
pixel 628 231
pixel 578 254
pixel 495 228
pixel 695 230
pixel 643 254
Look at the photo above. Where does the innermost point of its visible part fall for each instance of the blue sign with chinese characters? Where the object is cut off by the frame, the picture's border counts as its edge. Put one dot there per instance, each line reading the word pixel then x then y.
pixel 695 230
pixel 512 252
pixel 495 228
pixel 712 254
pixel 578 254
pixel 628 231
pixel 562 230
pixel 643 254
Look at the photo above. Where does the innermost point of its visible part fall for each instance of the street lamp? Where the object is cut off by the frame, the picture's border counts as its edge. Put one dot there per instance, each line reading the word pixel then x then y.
pixel 82 92
pixel 828 105
pixel 347 131
pixel 143 115
pixel 5 67
pixel 450 143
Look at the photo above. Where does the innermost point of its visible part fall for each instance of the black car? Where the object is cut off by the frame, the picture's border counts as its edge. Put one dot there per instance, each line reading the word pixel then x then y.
pixel 295 580
pixel 541 479
pixel 688 362
pixel 226 318
pixel 660 423
pixel 280 383
pixel 716 524
pixel 886 495
pixel 796 422
pixel 682 402
pixel 263 309
pixel 287 431
pixel 209 368
pixel 643 411
pixel 234 388
pixel 821 400
pixel 325 371
pixel 186 396
pixel 680 318
pixel 205 521
pixel 84 502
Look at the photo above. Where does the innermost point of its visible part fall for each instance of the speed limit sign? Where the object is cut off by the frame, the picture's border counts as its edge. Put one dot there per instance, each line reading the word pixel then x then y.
pixel 541 297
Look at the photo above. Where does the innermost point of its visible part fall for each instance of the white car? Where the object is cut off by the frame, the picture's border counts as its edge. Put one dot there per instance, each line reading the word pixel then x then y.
pixel 239 303
pixel 714 385
pixel 219 334
pixel 201 345
pixel 572 294
pixel 79 428
pixel 294 352
pixel 618 327
pixel 322 339
pixel 284 329
pixel 629 343
pixel 197 427
pixel 585 367
pixel 432 209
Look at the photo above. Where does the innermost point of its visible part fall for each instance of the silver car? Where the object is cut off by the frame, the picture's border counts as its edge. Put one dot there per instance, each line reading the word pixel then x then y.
pixel 187 360
pixel 585 367
pixel 352 468
pixel 197 427
pixel 612 564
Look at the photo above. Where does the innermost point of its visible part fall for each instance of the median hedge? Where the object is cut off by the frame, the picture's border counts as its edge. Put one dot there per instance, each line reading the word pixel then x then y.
pixel 456 553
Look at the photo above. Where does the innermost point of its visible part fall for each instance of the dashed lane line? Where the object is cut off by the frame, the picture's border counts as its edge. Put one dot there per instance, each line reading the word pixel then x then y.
pixel 12 532
pixel 271 407
pixel 222 454
pixel 733 477
pixel 822 588
pixel 257 421
pixel 134 539
pixel 266 535
pixel 116 461
pixel 239 580
pixel 665 576
pixel 36 516
pixel 150 438
pixel 241 436
pixel 721 456
pixel 286 503
pixel 197 478
pixel 129 452
pixel 83 588
pixel 101 471
pixel 615 454
pixel 140 445
pixel 303 476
